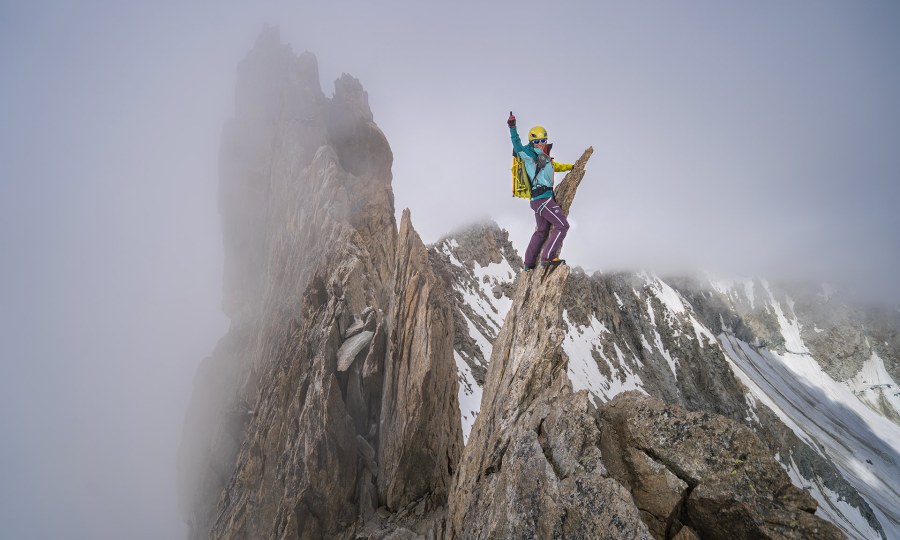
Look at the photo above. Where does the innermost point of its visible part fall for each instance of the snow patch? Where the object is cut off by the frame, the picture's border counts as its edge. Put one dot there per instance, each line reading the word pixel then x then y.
pixel 721 286
pixel 481 341
pixel 446 249
pixel 482 300
pixel 673 363
pixel 874 386
pixel 702 332
pixel 790 329
pixel 469 395
pixel 736 290
pixel 666 294
pixel 650 312
pixel 479 296
pixel 751 408
pixel 580 344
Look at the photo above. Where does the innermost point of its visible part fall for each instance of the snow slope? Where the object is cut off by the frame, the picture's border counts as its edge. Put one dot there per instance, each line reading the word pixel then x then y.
pixel 827 415
pixel 843 421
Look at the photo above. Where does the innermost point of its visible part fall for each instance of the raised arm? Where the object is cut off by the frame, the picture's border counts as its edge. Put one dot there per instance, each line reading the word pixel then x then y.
pixel 514 134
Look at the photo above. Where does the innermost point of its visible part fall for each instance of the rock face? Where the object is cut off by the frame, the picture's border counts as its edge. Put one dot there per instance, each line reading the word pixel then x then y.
pixel 285 436
pixel 420 412
pixel 702 471
pixel 525 472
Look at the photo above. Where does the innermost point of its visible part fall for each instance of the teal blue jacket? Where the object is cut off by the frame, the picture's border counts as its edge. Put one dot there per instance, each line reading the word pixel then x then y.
pixel 531 156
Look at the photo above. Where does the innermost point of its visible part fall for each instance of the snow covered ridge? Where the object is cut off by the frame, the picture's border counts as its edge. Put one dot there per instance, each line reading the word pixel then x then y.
pixel 802 377
pixel 674 339
pixel 480 266
pixel 841 340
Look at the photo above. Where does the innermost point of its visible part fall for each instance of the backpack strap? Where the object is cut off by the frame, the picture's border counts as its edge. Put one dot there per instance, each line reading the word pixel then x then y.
pixel 541 162
pixel 539 165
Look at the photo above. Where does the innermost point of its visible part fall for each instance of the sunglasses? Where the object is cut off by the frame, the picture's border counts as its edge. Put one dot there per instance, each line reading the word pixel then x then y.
pixel 538 141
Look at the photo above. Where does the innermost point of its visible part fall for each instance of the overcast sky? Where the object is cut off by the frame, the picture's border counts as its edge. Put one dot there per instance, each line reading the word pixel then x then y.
pixel 746 138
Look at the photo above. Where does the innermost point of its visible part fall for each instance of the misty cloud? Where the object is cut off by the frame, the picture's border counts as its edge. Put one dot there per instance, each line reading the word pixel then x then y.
pixel 756 141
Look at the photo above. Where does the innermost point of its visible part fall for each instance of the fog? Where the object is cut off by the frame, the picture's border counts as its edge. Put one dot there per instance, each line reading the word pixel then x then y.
pixel 750 140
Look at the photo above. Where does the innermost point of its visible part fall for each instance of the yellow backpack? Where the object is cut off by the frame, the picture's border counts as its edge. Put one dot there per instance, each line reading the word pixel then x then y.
pixel 521 184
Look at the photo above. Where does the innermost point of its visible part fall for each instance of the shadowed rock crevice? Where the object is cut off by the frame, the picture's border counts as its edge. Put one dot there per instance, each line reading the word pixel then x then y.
pixel 678 522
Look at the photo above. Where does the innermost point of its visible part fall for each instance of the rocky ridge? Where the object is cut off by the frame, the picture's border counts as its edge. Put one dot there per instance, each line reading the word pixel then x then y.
pixel 670 338
pixel 536 461
pixel 307 421
pixel 358 359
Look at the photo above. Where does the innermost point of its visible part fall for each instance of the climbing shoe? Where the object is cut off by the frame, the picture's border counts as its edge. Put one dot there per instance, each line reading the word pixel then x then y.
pixel 553 262
pixel 527 268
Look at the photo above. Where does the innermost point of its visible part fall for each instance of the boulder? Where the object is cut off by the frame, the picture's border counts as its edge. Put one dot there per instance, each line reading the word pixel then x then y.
pixel 704 470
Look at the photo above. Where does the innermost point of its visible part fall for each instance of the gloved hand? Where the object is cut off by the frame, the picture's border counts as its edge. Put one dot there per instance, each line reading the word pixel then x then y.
pixel 512 120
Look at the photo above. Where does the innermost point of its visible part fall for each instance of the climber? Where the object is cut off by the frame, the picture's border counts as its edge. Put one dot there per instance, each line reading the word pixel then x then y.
pixel 551 224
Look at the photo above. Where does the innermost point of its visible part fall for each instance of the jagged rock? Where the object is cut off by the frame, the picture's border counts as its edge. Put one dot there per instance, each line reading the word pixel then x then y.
pixel 565 191
pixel 256 193
pixel 299 462
pixel 704 470
pixel 420 424
pixel 530 468
pixel 532 440
pixel 311 241
pixel 657 491
pixel 367 490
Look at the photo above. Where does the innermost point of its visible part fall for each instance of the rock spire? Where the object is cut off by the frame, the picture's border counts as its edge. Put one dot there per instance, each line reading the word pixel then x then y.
pixel 333 395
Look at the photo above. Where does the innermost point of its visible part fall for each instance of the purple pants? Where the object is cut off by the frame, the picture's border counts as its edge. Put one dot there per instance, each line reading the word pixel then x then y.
pixel 549 232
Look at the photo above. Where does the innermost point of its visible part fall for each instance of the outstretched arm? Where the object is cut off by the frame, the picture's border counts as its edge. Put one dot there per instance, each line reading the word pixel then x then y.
pixel 562 167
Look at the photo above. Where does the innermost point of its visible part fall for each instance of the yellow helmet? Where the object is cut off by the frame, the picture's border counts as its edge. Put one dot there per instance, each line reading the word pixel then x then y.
pixel 537 132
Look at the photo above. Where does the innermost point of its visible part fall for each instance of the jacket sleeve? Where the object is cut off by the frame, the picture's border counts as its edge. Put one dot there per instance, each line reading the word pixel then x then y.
pixel 516 142
pixel 561 167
